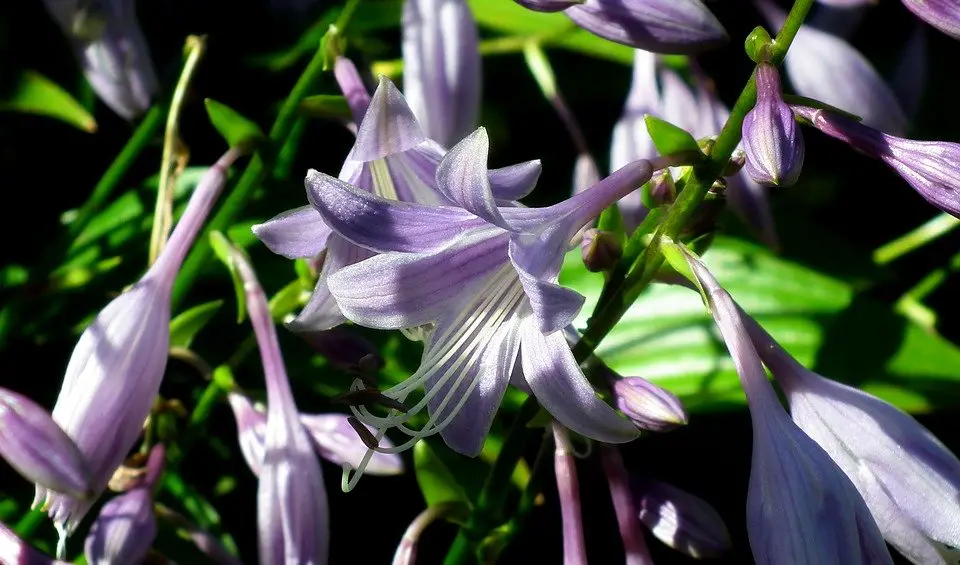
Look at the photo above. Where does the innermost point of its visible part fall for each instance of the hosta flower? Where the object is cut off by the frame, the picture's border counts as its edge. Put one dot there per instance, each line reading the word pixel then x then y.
pixel 118 363
pixel 941 14
pixel 628 522
pixel 485 277
pixel 647 405
pixel 292 515
pixel 111 48
pixel 932 168
pixel 17 552
pixel 827 68
pixel 393 159
pixel 801 508
pixel 771 137
pixel 333 438
pixel 127 526
pixel 679 519
pixel 34 445
pixel 568 491
pixel 441 67
pixel 908 478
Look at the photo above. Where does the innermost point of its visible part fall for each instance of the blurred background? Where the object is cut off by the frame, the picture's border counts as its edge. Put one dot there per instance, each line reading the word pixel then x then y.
pixel 844 207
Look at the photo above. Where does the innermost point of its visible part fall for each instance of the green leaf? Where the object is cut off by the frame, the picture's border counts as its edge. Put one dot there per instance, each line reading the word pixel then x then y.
pixel 437 483
pixel 188 324
pixel 669 138
pixel 325 106
pixel 287 299
pixel 34 93
pixel 223 250
pixel 237 130
pixel 198 507
pixel 506 16
pixel 669 338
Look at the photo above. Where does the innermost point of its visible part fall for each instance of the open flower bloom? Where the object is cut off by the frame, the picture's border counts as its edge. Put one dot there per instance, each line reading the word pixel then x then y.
pixel 485 276
pixel 801 508
pixel 292 515
pixel 932 168
pixel 441 67
pixel 115 371
pixel 771 137
pixel 333 437
pixel 393 159
pixel 941 14
pixel 110 46
pixel 910 480
pixel 127 526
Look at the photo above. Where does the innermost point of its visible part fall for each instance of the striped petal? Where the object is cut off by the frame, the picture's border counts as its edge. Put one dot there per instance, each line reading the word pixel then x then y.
pixel 294 234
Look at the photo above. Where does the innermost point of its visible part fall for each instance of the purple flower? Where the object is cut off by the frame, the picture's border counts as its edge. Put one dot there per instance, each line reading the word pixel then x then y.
pixel 932 168
pixel 292 515
pixel 548 5
pixel 118 363
pixel 908 478
pixel 391 159
pixel 441 67
pixel 15 551
pixel 647 405
pixel 661 26
pixel 568 490
pixel 771 137
pixel 801 508
pixel 485 276
pixel 333 438
pixel 600 250
pixel 679 519
pixel 127 526
pixel 34 445
pixel 634 545
pixel 941 14
pixel 110 46
pixel 827 68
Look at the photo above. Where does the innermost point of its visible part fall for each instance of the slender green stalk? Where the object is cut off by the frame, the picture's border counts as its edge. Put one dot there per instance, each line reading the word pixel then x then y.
pixel 940 225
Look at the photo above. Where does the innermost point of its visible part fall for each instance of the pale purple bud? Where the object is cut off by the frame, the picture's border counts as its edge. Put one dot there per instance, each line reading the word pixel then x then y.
pixel 932 168
pixel 568 490
pixel 548 5
pixel 661 26
pixel 663 190
pixel 771 137
pixel 353 88
pixel 908 478
pixel 116 368
pixel 801 508
pixel 585 173
pixel 600 250
pixel 680 520
pixel 112 50
pixel 649 406
pixel 827 68
pixel 34 445
pixel 441 67
pixel 333 438
pixel 941 14
pixel 15 551
pixel 634 546
pixel 127 526
pixel 292 514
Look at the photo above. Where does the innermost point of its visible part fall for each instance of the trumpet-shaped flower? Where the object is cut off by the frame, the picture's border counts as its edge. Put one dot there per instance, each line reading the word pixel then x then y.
pixel 908 478
pixel 801 508
pixel 393 159
pixel 333 438
pixel 292 515
pixel 115 371
pixel 932 168
pixel 485 276
pixel 771 137
pixel 110 46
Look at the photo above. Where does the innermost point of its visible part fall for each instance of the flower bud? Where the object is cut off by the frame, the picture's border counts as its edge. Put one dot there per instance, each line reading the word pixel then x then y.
pixel 679 519
pixel 649 406
pixel 662 190
pixel 771 137
pixel 548 5
pixel 38 449
pixel 601 250
pixel 941 14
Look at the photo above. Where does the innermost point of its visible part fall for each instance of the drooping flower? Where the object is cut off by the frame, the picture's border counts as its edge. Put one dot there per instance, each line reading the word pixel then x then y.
pixel 393 159
pixel 771 137
pixel 485 276
pixel 679 519
pixel 34 445
pixel 568 490
pixel 112 50
pixel 441 67
pixel 941 14
pixel 17 552
pixel 932 168
pixel 115 371
pixel 908 478
pixel 827 68
pixel 292 514
pixel 126 526
pixel 661 26
pixel 628 522
pixel 801 508
pixel 333 438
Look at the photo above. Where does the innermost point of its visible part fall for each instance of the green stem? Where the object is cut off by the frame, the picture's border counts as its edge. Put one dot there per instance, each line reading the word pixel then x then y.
pixel 940 225
pixel 251 179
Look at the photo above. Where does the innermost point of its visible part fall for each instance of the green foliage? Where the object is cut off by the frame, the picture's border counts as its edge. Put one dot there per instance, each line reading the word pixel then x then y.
pixel 34 93
pixel 185 327
pixel 668 138
pixel 235 129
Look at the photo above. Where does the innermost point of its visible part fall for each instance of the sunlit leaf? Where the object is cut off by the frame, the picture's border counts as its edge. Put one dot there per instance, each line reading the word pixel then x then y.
pixel 188 324
pixel 222 248
pixel 237 130
pixel 34 93
pixel 668 138
pixel 437 483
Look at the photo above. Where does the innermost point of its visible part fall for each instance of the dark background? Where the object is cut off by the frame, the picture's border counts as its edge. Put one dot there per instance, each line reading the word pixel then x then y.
pixel 47 167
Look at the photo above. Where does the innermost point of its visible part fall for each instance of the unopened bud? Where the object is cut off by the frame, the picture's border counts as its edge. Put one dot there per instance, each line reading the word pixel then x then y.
pixel 662 189
pixel 679 519
pixel 647 405
pixel 601 250
pixel 771 137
